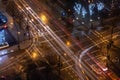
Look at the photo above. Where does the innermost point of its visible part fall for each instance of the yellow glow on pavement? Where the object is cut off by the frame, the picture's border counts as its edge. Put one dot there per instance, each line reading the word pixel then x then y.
pixel 43 18
pixel 68 43
pixel 34 55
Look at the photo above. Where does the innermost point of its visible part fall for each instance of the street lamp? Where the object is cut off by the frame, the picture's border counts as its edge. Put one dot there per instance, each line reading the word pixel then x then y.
pixel 43 18
pixel 68 43
pixel 34 55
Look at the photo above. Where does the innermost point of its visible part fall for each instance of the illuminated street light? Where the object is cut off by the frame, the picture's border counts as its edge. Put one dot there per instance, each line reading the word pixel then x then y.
pixel 43 18
pixel 11 23
pixel 34 55
pixel 68 43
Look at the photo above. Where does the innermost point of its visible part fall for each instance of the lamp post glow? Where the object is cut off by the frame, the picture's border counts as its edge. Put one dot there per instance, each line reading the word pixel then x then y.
pixel 43 18
pixel 34 55
pixel 68 43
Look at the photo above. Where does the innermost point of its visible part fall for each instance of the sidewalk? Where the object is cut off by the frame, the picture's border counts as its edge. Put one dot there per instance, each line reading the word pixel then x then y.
pixel 23 45
pixel 9 54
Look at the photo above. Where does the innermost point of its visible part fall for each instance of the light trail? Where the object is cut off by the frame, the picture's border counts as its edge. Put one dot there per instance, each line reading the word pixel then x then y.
pixel 57 40
pixel 52 34
pixel 55 37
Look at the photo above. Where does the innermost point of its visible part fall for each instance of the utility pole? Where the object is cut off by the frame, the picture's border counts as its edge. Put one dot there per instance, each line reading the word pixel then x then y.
pixel 109 45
